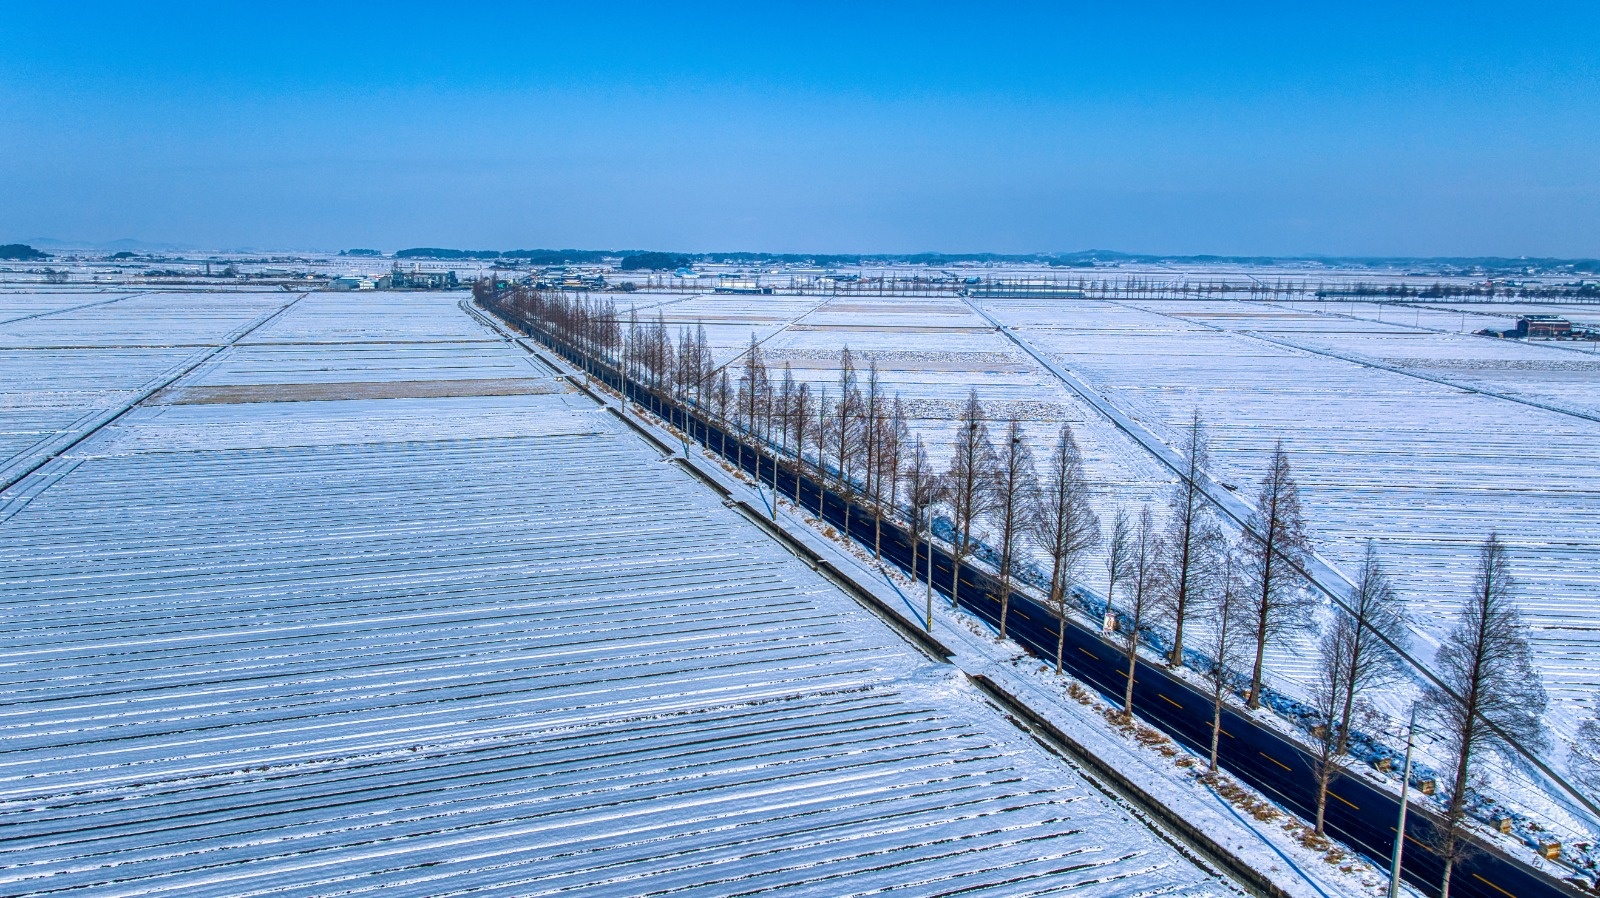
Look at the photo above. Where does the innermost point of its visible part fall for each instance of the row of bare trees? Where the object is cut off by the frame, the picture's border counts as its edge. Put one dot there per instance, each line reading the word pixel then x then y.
pixel 1214 602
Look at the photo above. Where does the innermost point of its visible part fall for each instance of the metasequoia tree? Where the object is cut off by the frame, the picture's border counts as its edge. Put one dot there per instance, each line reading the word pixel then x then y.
pixel 723 398
pixel 1325 695
pixel 1064 527
pixel 869 426
pixel 633 349
pixel 893 434
pixel 1489 698
pixel 1379 630
pixel 923 490
pixel 1014 488
pixel 1273 553
pixel 971 464
pixel 1227 643
pixel 1117 553
pixel 1140 553
pixel 1192 541
pixel 783 412
pixel 686 371
pixel 801 411
pixel 1358 651
pixel 1584 759
pixel 753 389
pixel 704 366
pixel 824 415
pixel 846 431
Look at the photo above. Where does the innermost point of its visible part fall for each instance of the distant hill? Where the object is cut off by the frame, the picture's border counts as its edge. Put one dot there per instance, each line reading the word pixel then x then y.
pixel 21 252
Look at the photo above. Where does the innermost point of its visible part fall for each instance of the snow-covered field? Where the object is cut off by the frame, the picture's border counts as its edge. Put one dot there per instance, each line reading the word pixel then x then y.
pixel 67 358
pixel 1402 427
pixel 472 638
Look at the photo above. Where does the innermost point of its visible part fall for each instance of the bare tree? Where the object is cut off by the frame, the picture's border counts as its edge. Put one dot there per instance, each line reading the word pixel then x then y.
pixel 1117 553
pixel 1274 552
pixel 753 388
pixel 1359 651
pixel 1491 699
pixel 1378 631
pixel 891 449
pixel 1584 760
pixel 683 373
pixel 1015 489
pixel 724 399
pixel 971 464
pixel 870 412
pixel 846 432
pixel 1227 644
pixel 705 364
pixel 801 412
pixel 923 489
pixel 824 415
pixel 1192 542
pixel 1141 553
pixel 1064 527
pixel 1326 696
pixel 783 411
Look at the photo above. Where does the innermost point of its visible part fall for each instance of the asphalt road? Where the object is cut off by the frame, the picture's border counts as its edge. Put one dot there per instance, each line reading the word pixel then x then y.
pixel 1358 814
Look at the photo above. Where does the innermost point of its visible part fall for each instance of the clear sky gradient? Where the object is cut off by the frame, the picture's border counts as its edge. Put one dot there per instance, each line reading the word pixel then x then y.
pixel 1385 129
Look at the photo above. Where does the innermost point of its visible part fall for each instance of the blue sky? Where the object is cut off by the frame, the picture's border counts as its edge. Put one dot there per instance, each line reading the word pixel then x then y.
pixel 1436 129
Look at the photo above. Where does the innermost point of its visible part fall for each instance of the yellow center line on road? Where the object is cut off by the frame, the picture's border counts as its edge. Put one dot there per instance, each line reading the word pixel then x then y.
pixel 1089 653
pixel 1420 844
pixel 1273 760
pixel 1343 799
pixel 1169 701
pixel 1493 886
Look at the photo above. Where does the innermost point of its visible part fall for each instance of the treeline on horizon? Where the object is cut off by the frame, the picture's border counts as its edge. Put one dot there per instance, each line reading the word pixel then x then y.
pixel 636 260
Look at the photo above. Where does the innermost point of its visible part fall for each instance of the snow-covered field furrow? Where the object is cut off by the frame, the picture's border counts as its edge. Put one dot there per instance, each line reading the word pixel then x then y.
pixel 19 306
pixel 475 644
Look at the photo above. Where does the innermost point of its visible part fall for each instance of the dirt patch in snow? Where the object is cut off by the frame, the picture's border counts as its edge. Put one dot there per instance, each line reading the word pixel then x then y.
pixel 391 389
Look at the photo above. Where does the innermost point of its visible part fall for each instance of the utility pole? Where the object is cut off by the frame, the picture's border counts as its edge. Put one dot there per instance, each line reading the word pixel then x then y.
pixel 1400 827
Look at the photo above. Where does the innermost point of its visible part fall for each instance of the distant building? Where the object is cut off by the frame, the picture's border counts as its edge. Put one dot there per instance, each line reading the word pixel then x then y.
pixel 1543 327
pixel 734 284
pixel 421 280
pixel 569 280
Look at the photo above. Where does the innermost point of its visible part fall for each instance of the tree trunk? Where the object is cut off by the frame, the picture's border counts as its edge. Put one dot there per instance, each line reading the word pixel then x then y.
pixel 1216 723
pixel 955 580
pixel 1175 658
pixel 1323 775
pixel 1058 599
pixel 1133 668
pixel 1254 701
pixel 1264 610
pixel 1005 601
